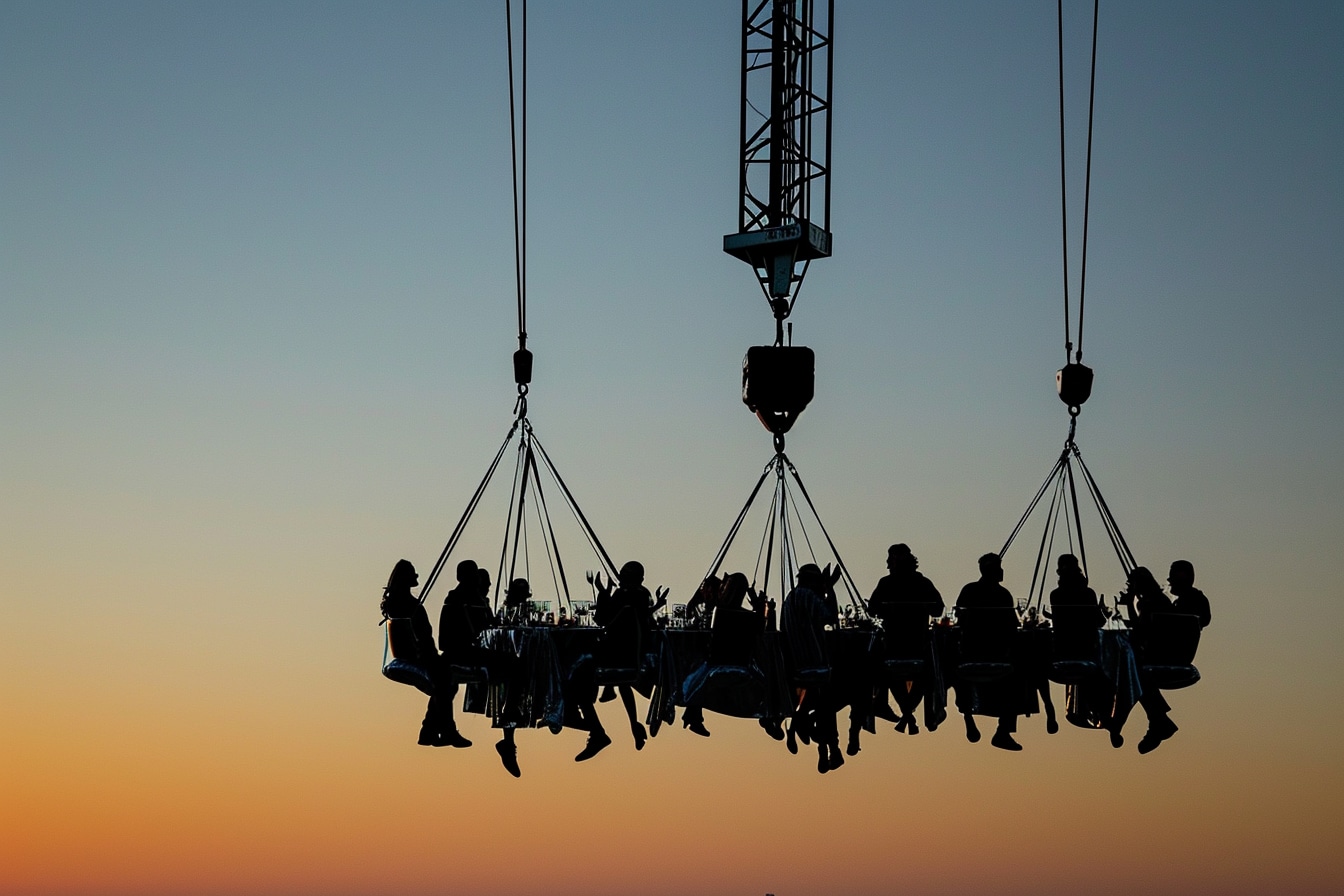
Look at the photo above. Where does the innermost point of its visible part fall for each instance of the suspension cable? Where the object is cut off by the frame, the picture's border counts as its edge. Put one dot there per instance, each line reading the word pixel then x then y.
pixel 518 151
pixel 1069 355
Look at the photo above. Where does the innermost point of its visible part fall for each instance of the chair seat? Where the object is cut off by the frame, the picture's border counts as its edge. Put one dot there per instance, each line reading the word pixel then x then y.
pixel 984 671
pixel 404 672
pixel 1073 671
pixel 1168 678
pixel 606 675
pixel 468 674
pixel 903 668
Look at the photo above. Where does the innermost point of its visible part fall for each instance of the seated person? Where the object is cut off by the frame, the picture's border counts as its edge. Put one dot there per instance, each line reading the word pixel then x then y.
pixel 906 602
pixel 803 620
pixel 1073 591
pixel 988 593
pixel 625 615
pixel 1146 598
pixel 1189 599
pixel 438 728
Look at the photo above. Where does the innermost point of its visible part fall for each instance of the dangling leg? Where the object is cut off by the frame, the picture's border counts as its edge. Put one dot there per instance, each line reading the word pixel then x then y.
pixel 693 719
pixel 1160 725
pixel 636 727
pixel 1051 724
pixel 1003 735
pixel 508 753
pixel 597 737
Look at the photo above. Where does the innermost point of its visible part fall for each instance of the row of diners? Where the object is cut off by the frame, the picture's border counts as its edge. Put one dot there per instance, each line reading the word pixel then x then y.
pixel 795 668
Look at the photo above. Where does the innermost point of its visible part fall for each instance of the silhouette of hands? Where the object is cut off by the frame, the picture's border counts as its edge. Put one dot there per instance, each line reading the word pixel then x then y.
pixel 662 597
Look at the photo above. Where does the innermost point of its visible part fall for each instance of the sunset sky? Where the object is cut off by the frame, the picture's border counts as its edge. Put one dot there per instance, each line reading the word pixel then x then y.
pixel 256 275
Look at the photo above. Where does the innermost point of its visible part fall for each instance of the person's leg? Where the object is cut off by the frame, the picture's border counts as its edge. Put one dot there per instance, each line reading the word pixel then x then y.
pixel 1003 735
pixel 508 753
pixel 636 727
pixel 597 736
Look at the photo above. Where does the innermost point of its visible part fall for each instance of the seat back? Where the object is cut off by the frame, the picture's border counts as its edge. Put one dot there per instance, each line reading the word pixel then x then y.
pixel 733 639
pixel 987 634
pixel 1170 639
pixel 402 661
pixel 905 631
pixel 1077 634
pixel 618 653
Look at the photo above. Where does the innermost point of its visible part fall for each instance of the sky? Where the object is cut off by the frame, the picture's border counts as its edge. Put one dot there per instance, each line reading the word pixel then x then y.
pixel 256 285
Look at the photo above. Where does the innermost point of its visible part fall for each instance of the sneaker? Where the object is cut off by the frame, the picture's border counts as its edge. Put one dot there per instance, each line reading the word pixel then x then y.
pixel 1004 741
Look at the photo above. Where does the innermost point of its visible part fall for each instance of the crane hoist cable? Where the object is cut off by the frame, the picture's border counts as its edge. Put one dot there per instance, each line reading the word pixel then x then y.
pixel 527 479
pixel 1074 381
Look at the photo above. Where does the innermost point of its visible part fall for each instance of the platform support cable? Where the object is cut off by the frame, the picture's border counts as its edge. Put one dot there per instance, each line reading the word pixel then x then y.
pixel 737 523
pixel 844 570
pixel 466 515
pixel 577 511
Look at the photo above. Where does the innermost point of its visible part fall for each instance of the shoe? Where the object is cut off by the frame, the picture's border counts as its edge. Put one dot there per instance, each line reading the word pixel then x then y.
pixel 823 760
pixel 972 732
pixel 640 735
pixel 429 738
pixel 696 727
pixel 452 739
pixel 901 723
pixel 508 754
pixel 911 726
pixel 773 728
pixel 1051 726
pixel 608 694
pixel 836 759
pixel 884 711
pixel 852 748
pixel 597 742
pixel 791 740
pixel 1004 741
pixel 1117 739
pixel 1158 731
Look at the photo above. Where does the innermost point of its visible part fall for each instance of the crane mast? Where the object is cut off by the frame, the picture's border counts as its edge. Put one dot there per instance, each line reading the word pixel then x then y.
pixel 785 145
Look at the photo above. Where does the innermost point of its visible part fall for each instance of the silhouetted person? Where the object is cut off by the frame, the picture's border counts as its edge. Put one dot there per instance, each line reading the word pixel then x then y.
pixel 1189 599
pixel 438 728
pixel 803 620
pixel 625 615
pixel 988 593
pixel 702 605
pixel 906 602
pixel 1146 598
pixel 1073 591
pixel 516 597
pixel 1074 610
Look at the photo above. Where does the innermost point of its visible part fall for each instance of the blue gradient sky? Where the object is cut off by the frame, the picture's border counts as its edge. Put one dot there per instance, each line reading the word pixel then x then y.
pixel 257 282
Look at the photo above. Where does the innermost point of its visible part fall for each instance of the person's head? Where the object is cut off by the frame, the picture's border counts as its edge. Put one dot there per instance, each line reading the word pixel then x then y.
pixel 519 591
pixel 991 567
pixel 483 580
pixel 466 572
pixel 632 574
pixel 735 588
pixel 1182 575
pixel 809 576
pixel 403 578
pixel 1069 567
pixel 901 559
pixel 1142 581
